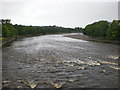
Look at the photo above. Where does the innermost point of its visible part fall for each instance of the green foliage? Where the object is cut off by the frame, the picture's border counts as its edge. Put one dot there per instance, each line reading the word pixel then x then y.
pixel 112 32
pixel 9 30
pixel 103 29
pixel 5 31
pixel 77 29
pixel 37 30
pixel 97 29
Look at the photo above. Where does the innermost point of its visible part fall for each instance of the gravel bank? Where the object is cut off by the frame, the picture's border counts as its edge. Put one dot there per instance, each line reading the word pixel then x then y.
pixel 87 38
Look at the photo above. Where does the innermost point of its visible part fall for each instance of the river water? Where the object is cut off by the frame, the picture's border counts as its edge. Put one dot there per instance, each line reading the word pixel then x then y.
pixel 55 61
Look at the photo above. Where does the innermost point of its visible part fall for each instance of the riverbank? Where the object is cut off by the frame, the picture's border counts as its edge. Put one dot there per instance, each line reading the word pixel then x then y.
pixel 6 41
pixel 87 38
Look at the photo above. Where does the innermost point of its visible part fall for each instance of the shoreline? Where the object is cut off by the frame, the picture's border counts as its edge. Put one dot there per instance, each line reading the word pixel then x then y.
pixel 7 41
pixel 88 38
pixel 81 36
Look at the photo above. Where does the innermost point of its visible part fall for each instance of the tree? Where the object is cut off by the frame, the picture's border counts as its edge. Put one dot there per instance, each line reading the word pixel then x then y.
pixel 97 29
pixel 112 32
pixel 5 31
pixel 8 30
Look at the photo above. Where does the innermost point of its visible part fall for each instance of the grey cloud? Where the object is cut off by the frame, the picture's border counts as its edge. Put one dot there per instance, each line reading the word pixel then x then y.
pixel 67 14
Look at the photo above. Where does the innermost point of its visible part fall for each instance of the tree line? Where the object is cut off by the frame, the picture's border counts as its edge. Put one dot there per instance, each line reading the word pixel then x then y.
pixel 103 29
pixel 10 30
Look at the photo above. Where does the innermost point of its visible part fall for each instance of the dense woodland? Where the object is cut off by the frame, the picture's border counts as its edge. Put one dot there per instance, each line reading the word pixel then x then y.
pixel 101 29
pixel 10 30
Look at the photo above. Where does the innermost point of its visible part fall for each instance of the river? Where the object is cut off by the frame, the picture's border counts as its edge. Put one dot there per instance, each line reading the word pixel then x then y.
pixel 55 61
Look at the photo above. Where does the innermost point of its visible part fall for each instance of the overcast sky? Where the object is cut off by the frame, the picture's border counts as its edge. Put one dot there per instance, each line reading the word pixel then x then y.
pixel 66 13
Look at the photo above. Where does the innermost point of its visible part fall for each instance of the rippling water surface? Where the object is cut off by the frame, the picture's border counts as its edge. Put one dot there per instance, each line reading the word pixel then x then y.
pixel 61 62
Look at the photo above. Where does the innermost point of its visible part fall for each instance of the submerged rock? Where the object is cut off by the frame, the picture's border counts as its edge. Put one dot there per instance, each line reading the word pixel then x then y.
pixel 103 71
pixel 69 65
pixel 31 84
pixel 116 68
pixel 7 86
pixel 6 81
pixel 105 62
pixel 58 85
pixel 81 68
pixel 93 63
pixel 114 57
pixel 72 80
